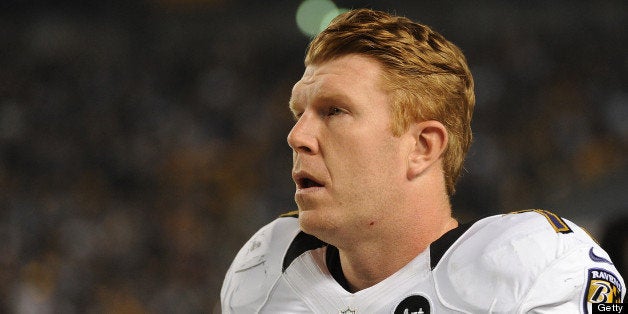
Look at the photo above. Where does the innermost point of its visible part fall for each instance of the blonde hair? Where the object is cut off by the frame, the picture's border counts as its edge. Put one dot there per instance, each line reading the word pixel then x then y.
pixel 427 75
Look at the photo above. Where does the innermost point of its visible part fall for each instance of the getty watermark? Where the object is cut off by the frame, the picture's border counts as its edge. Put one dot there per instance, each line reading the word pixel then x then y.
pixel 608 308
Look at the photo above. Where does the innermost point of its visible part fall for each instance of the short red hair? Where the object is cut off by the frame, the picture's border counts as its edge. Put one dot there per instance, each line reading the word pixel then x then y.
pixel 427 75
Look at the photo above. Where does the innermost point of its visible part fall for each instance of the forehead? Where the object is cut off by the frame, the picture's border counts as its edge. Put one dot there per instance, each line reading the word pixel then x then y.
pixel 350 78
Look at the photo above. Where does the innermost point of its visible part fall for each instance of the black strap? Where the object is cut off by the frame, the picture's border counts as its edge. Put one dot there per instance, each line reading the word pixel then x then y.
pixel 442 244
pixel 332 258
pixel 302 243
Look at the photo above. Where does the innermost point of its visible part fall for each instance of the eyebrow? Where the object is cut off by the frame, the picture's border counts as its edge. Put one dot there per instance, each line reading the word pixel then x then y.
pixel 331 97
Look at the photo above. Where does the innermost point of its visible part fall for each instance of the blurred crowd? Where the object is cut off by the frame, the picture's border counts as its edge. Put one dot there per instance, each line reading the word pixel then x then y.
pixel 141 143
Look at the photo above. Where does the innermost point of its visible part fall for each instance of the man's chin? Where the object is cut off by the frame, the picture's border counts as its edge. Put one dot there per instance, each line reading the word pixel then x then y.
pixel 314 223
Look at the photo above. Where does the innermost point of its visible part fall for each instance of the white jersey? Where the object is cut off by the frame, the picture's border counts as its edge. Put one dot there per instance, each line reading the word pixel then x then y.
pixel 525 262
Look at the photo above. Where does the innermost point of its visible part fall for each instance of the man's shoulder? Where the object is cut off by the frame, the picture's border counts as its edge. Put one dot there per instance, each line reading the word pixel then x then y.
pixel 534 230
pixel 269 242
pixel 257 265
pixel 498 253
pixel 260 262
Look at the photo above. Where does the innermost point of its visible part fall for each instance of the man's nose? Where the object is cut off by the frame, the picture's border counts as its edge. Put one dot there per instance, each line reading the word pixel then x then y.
pixel 302 137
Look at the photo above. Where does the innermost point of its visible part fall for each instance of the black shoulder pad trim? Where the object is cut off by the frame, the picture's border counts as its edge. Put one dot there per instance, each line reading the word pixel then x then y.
pixel 303 242
pixel 442 244
pixel 332 258
pixel 292 214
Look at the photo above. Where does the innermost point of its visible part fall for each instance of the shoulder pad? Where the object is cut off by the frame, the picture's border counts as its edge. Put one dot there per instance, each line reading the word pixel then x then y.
pixel 502 256
pixel 257 266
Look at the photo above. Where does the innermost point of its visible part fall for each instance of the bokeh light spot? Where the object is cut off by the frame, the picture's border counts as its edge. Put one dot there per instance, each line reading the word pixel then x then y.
pixel 314 15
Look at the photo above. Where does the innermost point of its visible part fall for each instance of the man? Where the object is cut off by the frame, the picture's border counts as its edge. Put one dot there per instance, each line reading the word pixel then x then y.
pixel 383 115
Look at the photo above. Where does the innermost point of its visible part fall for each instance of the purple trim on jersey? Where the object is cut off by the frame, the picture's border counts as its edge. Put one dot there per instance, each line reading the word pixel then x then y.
pixel 598 259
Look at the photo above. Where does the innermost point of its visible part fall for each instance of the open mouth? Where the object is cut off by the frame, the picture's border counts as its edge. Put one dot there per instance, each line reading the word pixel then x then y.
pixel 305 183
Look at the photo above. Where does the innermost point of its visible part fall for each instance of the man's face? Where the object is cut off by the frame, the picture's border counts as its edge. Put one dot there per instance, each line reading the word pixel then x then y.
pixel 347 165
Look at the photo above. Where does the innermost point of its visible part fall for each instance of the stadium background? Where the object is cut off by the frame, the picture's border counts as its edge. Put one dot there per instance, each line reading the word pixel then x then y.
pixel 141 143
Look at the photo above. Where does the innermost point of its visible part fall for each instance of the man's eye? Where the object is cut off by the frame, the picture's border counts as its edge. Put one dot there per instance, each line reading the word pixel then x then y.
pixel 333 111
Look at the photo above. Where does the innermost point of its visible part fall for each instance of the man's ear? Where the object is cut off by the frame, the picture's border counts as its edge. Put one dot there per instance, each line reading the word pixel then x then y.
pixel 430 140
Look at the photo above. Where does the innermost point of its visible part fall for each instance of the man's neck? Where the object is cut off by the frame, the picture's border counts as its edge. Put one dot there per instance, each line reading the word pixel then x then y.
pixel 366 264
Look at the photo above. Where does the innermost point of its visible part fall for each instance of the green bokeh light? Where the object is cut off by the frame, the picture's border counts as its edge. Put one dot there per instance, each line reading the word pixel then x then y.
pixel 314 15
